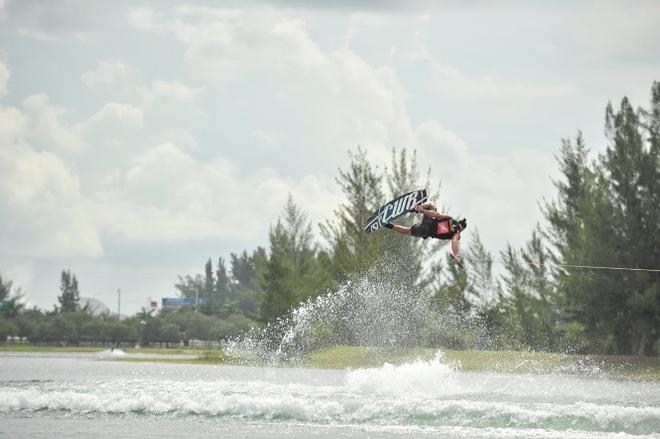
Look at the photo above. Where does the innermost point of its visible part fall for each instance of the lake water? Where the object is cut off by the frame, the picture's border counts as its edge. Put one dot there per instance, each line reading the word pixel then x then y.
pixel 85 395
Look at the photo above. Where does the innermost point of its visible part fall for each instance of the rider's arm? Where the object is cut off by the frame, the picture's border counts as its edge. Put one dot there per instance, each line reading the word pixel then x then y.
pixel 454 246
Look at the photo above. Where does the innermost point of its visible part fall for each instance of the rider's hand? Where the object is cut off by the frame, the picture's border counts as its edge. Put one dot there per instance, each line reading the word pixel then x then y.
pixel 419 208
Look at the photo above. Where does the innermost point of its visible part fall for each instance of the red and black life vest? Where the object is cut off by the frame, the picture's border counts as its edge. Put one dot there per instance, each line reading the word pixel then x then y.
pixel 446 229
pixel 440 229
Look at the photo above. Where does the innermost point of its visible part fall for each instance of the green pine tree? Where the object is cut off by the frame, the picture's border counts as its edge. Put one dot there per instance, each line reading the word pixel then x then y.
pixel 11 299
pixel 291 273
pixel 543 300
pixel 352 250
pixel 482 287
pixel 70 297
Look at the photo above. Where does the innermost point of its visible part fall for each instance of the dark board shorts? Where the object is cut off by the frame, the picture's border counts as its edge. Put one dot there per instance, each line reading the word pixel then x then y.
pixel 422 230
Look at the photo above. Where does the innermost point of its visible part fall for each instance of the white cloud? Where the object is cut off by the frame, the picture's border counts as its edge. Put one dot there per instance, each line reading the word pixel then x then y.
pixel 223 43
pixel 109 72
pixel 43 212
pixel 168 196
pixel 436 141
pixel 12 125
pixel 3 12
pixel 174 90
pixel 116 113
pixel 143 18
pixel 47 128
pixel 4 78
pixel 345 100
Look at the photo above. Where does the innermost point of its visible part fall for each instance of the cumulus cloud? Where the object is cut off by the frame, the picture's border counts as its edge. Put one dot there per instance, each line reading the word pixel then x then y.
pixel 352 101
pixel 47 128
pixel 42 209
pixel 143 18
pixel 106 73
pixel 167 195
pixel 12 125
pixel 174 90
pixel 436 141
pixel 116 113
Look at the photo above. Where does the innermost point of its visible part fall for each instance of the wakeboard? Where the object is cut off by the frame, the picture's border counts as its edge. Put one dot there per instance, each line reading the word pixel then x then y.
pixel 394 209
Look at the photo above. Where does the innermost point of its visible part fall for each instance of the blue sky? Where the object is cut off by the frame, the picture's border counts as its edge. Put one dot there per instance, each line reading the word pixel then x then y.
pixel 136 138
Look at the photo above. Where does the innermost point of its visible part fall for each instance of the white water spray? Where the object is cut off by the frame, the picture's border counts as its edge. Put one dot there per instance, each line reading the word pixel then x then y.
pixel 375 310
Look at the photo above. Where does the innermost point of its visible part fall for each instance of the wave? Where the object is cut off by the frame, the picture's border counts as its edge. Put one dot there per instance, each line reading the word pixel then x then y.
pixel 423 393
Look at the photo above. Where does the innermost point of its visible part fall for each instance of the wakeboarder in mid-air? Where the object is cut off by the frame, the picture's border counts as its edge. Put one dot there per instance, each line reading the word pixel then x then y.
pixel 434 225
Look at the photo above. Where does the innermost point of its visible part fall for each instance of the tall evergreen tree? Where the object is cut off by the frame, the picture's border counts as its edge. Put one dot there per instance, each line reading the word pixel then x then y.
pixel 70 297
pixel 543 297
pixel 10 299
pixel 243 269
pixel 278 293
pixel 633 171
pixel 352 249
pixel 607 214
pixel 482 286
pixel 292 271
pixel 212 302
pixel 451 295
pixel 246 272
pixel 566 214
pixel 573 231
pixel 516 296
pixel 209 281
pixel 222 288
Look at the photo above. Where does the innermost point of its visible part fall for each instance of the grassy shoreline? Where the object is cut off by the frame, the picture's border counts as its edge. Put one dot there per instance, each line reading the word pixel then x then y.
pixel 340 357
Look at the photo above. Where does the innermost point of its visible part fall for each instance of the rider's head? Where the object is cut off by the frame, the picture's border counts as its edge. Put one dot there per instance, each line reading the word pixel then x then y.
pixel 463 224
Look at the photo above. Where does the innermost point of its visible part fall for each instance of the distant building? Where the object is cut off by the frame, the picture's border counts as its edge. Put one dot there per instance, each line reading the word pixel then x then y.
pixel 177 302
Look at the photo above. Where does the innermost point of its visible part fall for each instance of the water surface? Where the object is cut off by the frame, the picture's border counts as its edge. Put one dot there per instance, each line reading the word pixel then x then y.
pixel 84 395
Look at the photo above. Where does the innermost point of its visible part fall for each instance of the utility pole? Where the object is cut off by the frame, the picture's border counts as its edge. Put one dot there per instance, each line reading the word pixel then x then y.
pixel 118 303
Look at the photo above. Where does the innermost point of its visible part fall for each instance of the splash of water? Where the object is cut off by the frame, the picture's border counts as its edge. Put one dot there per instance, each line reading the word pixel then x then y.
pixel 420 378
pixel 377 309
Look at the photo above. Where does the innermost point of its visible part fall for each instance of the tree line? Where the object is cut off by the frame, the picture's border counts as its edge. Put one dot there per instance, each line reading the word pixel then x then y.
pixel 605 213
pixel 72 324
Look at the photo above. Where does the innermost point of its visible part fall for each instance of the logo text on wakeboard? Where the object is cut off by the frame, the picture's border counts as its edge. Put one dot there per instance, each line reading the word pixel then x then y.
pixel 398 207
pixel 394 209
